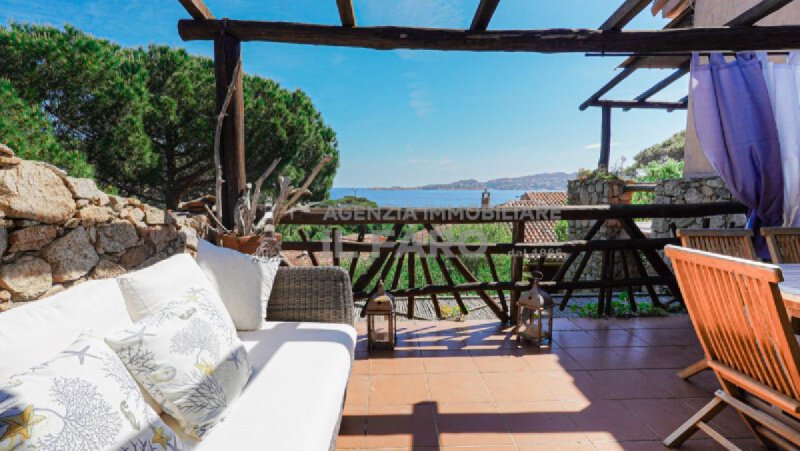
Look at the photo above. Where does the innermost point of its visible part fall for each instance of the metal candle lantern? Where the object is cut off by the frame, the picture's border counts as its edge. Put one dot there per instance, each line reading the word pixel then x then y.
pixel 381 320
pixel 535 315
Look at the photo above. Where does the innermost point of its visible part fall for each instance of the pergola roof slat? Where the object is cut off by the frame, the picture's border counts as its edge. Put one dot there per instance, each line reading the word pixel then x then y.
pixel 656 88
pixel 624 14
pixel 758 12
pixel 483 15
pixel 747 18
pixel 625 73
pixel 661 85
pixel 197 9
pixel 346 13
pixel 633 104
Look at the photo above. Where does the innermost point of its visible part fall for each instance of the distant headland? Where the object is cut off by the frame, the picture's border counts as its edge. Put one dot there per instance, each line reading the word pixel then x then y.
pixel 549 181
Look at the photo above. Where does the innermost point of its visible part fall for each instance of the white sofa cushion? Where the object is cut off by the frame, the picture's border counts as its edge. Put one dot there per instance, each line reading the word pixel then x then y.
pixel 189 361
pixel 34 333
pixel 294 399
pixel 83 398
pixel 244 282
pixel 151 289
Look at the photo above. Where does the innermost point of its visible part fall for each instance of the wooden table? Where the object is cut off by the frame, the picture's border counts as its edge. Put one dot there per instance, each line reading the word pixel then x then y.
pixel 790 289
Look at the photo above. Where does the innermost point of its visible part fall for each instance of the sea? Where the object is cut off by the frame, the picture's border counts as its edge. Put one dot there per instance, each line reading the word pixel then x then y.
pixel 426 198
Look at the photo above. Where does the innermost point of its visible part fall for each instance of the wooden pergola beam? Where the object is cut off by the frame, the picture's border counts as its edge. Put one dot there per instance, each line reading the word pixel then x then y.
pixel 346 13
pixel 543 41
pixel 197 9
pixel 483 15
pixel 624 14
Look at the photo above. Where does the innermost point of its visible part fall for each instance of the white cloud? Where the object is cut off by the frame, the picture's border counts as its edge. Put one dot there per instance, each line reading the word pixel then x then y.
pixel 418 97
pixel 431 162
pixel 418 13
pixel 597 146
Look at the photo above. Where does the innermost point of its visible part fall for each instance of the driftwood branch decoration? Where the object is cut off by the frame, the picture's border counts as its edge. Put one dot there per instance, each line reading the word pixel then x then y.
pixel 295 194
pixel 214 217
pixel 217 137
pixel 251 216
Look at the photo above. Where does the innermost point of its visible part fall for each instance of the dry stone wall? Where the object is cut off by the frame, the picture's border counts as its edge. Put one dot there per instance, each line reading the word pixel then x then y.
pixel 57 231
pixel 693 191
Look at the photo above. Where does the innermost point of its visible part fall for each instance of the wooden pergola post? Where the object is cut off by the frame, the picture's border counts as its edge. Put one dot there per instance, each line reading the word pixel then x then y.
pixel 227 55
pixel 605 139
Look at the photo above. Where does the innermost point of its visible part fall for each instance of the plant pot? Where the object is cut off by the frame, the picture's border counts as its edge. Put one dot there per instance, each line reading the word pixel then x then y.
pixel 245 244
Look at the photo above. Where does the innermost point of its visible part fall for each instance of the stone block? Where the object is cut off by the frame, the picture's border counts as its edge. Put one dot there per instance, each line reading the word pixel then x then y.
pixel 31 238
pixel 160 235
pixel 72 256
pixel 106 269
pixel 115 237
pixel 82 188
pixel 93 214
pixel 26 279
pixel 135 256
pixel 33 191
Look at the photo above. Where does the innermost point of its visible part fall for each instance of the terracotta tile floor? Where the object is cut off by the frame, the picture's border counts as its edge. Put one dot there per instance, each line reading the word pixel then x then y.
pixel 604 385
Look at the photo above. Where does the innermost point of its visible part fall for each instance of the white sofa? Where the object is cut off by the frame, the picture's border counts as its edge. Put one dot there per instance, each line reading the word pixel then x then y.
pixel 294 399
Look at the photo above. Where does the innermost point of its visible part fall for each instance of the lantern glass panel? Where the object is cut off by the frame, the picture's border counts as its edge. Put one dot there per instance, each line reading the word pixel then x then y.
pixel 536 325
pixel 380 325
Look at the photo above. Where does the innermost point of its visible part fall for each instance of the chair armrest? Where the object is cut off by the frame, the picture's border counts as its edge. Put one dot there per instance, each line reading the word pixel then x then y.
pixel 314 294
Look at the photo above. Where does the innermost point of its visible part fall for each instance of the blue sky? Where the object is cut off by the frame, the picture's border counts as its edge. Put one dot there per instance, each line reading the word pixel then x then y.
pixel 409 118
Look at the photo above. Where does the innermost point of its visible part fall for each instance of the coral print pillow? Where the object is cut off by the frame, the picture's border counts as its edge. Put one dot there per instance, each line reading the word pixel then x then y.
pixel 83 399
pixel 188 359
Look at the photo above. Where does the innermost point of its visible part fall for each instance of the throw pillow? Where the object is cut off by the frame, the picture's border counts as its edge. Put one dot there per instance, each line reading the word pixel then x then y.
pixel 244 282
pixel 188 359
pixel 149 290
pixel 84 398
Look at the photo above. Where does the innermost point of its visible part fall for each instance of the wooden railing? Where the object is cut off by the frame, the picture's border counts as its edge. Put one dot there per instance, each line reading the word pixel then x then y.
pixel 394 252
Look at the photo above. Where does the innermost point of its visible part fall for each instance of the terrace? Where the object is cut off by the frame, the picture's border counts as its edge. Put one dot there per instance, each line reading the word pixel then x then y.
pixel 605 385
pixel 602 383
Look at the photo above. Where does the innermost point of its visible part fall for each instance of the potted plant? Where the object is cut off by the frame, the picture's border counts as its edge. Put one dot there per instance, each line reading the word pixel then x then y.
pixel 261 237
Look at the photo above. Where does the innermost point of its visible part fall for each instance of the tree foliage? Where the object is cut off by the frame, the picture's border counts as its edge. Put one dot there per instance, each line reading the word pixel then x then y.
pixel 91 90
pixel 144 117
pixel 656 171
pixel 25 129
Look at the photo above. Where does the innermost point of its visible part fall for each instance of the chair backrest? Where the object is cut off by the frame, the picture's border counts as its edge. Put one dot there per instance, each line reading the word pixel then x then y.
pixel 783 243
pixel 731 242
pixel 738 313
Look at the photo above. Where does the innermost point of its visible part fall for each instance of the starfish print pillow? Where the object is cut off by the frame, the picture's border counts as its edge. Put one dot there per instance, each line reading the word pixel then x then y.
pixel 84 398
pixel 188 360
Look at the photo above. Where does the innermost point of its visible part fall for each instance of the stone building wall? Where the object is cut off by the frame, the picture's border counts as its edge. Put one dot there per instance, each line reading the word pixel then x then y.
pixel 57 231
pixel 596 192
pixel 692 191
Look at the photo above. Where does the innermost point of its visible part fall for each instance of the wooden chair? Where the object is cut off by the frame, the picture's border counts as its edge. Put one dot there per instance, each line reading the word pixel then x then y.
pixel 783 243
pixel 738 314
pixel 731 242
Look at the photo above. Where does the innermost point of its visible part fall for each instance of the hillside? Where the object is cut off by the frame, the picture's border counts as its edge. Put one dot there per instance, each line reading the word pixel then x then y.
pixel 671 148
pixel 556 181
